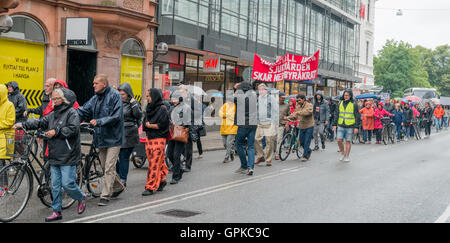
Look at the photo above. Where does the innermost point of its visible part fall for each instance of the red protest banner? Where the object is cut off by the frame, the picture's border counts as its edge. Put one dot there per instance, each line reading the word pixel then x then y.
pixel 290 67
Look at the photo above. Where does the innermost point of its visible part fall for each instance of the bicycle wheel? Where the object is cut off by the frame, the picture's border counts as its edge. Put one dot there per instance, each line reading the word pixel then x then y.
pixel 417 132
pixel 45 193
pixel 385 135
pixel 16 184
pixel 285 146
pixel 138 161
pixel 392 134
pixel 94 176
pixel 299 149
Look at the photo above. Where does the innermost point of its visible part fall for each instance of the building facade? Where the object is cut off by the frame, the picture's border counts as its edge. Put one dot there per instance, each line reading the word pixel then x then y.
pixel 121 45
pixel 232 31
pixel 366 51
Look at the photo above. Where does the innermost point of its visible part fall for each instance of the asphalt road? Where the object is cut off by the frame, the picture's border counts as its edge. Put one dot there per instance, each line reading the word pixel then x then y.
pixel 405 182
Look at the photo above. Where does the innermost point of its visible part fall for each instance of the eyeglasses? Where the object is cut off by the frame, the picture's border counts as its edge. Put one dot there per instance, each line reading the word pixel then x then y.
pixel 56 98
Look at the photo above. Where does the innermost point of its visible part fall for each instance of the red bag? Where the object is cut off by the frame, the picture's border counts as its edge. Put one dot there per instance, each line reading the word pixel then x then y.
pixel 170 136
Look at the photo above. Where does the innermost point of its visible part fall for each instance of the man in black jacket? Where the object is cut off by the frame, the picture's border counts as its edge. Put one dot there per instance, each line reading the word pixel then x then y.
pixel 104 111
pixel 409 115
pixel 19 101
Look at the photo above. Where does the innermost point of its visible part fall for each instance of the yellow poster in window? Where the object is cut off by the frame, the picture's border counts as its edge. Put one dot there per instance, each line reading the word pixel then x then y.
pixel 131 72
pixel 24 63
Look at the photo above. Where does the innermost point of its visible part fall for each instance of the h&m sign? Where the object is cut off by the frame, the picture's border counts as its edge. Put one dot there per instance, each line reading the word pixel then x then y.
pixel 211 63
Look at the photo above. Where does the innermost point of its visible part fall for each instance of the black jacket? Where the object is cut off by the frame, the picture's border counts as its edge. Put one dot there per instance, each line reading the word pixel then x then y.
pixel 107 109
pixel 19 101
pixel 321 109
pixel 132 114
pixel 64 148
pixel 409 115
pixel 156 113
pixel 247 108
pixel 428 114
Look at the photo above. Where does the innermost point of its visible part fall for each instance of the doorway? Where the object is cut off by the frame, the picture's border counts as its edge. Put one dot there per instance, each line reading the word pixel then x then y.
pixel 81 70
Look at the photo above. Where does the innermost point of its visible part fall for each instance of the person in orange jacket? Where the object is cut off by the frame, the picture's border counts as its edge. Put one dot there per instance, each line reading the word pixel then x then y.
pixel 438 114
pixel 367 117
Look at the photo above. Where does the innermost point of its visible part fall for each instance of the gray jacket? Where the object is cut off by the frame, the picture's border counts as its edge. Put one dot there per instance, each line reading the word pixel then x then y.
pixel 132 114
pixel 321 109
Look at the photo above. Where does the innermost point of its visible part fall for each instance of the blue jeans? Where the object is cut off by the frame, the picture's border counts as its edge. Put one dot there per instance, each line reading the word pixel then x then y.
pixel 345 133
pixel 248 133
pixel 398 129
pixel 367 134
pixel 330 129
pixel 305 140
pixel 438 124
pixel 64 177
pixel 123 166
pixel 445 122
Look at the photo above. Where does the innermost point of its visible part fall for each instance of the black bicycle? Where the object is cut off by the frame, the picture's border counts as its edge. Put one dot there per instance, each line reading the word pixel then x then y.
pixel 92 169
pixel 387 134
pixel 16 178
pixel 417 128
pixel 290 143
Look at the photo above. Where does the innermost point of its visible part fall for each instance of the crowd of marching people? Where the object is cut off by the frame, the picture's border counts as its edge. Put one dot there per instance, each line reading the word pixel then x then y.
pixel 253 123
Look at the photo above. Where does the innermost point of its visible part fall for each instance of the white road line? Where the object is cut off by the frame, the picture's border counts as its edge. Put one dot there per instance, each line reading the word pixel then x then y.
pixel 444 217
pixel 172 199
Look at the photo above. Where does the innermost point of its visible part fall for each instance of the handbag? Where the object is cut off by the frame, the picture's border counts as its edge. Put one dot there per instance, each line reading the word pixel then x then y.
pixel 180 134
pixel 202 131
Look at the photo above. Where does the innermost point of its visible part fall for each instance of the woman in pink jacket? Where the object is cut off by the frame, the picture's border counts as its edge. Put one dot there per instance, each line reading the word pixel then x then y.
pixel 379 113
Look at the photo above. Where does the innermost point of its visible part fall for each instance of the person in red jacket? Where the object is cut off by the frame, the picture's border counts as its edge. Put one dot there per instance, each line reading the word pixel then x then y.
pixel 378 126
pixel 367 117
pixel 438 114
pixel 58 84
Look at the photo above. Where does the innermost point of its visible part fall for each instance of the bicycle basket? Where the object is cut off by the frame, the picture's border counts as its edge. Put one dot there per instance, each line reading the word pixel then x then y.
pixel 22 143
pixel 8 143
pixel 385 121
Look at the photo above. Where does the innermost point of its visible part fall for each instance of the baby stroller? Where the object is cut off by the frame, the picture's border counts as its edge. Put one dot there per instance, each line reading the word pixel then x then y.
pixel 139 156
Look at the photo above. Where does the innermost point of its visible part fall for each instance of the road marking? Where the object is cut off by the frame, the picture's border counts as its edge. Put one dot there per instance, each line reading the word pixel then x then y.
pixel 444 217
pixel 177 198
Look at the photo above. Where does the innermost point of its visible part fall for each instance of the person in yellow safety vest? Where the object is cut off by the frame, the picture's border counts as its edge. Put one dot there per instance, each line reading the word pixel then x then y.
pixel 347 120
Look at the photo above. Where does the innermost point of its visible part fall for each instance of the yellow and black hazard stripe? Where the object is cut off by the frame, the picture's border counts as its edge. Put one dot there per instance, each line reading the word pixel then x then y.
pixel 138 98
pixel 33 97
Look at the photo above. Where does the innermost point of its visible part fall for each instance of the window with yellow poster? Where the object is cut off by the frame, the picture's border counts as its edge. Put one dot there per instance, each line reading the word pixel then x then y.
pixel 132 72
pixel 23 62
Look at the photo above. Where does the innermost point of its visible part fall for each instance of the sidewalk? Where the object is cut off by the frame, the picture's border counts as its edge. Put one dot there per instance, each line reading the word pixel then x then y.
pixel 212 142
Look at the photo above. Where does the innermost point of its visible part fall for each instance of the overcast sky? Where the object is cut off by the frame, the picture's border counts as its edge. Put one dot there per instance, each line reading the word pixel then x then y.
pixel 426 24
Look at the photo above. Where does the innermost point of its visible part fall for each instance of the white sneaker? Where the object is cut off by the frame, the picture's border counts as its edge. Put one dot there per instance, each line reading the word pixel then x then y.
pixel 346 159
pixel 342 158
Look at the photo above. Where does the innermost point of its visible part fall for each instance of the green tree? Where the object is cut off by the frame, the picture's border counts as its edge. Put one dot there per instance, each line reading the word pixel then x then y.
pixel 398 66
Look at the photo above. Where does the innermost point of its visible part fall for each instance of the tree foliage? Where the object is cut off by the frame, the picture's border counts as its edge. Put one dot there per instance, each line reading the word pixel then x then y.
pixel 398 66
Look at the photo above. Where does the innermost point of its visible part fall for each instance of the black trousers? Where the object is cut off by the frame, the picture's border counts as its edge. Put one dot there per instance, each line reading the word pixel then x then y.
pixel 378 134
pixel 188 153
pixel 428 127
pixel 174 151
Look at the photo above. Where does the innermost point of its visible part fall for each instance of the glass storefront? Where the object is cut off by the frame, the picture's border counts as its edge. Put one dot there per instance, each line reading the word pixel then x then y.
pixel 186 68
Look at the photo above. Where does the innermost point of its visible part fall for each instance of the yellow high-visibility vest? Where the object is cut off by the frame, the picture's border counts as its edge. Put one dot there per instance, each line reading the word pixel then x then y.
pixel 346 116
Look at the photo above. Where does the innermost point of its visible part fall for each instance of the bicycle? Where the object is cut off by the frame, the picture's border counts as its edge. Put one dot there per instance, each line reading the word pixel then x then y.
pixel 417 128
pixel 387 134
pixel 92 169
pixel 358 137
pixel 290 142
pixel 16 194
